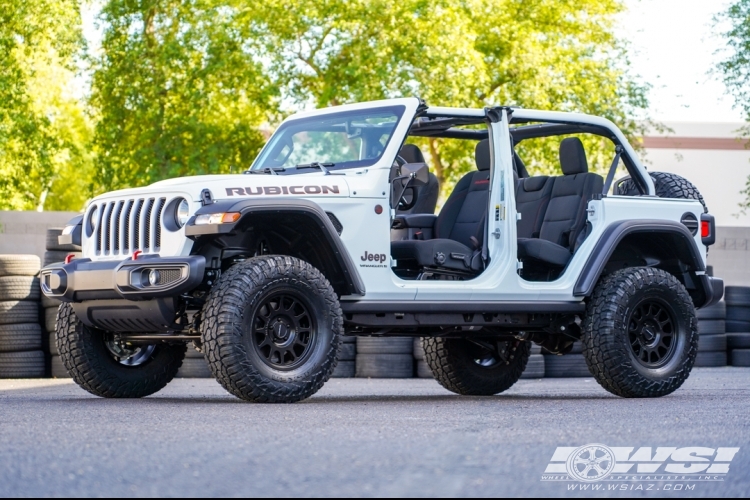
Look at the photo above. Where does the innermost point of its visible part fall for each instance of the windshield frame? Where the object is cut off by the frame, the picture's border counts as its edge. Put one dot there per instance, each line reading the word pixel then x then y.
pixel 397 110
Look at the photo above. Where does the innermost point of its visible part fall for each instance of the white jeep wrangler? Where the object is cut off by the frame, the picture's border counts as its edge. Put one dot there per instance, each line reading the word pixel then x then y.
pixel 331 232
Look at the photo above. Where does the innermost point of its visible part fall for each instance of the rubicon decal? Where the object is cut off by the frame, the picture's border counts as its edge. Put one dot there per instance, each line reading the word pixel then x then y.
pixel 280 190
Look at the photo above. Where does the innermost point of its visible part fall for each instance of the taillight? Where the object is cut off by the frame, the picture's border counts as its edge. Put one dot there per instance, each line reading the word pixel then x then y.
pixel 708 229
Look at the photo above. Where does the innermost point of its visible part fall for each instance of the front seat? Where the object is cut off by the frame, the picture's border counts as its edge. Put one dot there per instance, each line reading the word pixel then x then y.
pixel 458 229
pixel 565 216
pixel 427 195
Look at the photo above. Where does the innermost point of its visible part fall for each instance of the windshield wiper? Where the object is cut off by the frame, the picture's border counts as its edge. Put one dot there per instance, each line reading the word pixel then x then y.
pixel 266 171
pixel 322 166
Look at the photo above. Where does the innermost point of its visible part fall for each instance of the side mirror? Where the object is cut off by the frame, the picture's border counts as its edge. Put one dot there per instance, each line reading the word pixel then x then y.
pixel 417 173
pixel 410 176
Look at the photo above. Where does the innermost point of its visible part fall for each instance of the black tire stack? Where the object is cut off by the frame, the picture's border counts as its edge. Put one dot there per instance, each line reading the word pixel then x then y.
pixel 194 365
pixel 21 353
pixel 535 367
pixel 569 365
pixel 423 369
pixel 712 340
pixel 56 252
pixel 347 358
pixel 738 324
pixel 385 357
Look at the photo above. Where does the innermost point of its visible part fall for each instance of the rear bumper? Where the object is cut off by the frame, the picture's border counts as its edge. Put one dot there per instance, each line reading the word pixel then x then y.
pixel 83 280
pixel 714 288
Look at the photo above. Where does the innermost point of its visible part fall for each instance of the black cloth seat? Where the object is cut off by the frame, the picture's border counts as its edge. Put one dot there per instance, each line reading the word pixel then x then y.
pixel 458 228
pixel 532 197
pixel 565 215
pixel 427 195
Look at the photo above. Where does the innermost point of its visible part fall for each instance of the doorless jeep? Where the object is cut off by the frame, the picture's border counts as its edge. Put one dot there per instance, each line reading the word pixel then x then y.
pixel 332 232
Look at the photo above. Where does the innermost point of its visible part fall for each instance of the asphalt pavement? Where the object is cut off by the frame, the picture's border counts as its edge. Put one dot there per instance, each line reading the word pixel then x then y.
pixel 359 438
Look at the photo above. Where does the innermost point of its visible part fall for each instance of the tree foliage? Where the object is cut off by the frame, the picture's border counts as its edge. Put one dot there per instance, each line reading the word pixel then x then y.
pixel 177 90
pixel 735 67
pixel 547 54
pixel 42 126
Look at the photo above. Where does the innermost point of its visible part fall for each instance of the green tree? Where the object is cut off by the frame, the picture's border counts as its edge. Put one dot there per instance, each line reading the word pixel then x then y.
pixel 735 67
pixel 178 90
pixel 547 54
pixel 42 126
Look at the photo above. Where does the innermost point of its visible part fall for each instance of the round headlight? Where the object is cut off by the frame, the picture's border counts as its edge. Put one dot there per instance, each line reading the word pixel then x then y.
pixel 183 213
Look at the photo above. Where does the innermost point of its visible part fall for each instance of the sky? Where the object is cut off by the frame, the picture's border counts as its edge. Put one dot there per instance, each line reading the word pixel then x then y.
pixel 673 45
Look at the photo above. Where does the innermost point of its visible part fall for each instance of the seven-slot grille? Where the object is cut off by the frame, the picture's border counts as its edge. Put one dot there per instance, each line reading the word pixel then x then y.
pixel 126 225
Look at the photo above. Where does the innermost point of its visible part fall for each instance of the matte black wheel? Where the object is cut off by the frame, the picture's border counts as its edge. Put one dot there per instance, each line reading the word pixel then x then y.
pixel 109 368
pixel 272 330
pixel 476 367
pixel 640 334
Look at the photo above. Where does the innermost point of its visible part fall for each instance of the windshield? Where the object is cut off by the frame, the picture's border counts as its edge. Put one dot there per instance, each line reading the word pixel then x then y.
pixel 341 140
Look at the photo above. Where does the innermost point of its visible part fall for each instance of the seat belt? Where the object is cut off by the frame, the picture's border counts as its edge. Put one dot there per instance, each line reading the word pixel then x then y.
pixel 612 170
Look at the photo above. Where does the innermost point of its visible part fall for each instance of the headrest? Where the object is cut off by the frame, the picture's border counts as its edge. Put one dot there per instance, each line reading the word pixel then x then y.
pixel 531 184
pixel 482 155
pixel 411 153
pixel 573 156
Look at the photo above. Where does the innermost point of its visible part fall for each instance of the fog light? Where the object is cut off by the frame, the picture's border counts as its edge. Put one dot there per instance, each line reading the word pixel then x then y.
pixel 154 276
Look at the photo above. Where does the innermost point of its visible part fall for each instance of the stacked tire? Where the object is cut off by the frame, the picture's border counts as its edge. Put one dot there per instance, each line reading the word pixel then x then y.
pixel 712 341
pixel 423 369
pixel 346 367
pixel 570 365
pixel 21 354
pixel 56 252
pixel 385 357
pixel 535 366
pixel 194 365
pixel 738 324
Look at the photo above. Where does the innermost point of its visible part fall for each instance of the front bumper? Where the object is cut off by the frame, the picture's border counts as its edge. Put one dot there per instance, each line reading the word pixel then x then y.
pixel 83 279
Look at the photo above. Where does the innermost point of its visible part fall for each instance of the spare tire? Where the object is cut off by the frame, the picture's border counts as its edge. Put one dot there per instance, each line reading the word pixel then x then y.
pixel 667 186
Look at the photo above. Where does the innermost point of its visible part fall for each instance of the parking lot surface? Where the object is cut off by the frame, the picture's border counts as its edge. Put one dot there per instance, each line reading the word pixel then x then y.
pixel 355 438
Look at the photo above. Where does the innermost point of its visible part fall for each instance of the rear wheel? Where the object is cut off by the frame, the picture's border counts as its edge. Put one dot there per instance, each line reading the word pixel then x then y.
pixel 477 367
pixel 110 368
pixel 640 336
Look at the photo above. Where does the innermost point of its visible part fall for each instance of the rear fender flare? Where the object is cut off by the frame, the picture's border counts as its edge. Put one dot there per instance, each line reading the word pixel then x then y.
pixel 685 250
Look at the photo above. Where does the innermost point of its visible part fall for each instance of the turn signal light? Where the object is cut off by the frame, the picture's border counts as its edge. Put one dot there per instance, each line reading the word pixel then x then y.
pixel 220 218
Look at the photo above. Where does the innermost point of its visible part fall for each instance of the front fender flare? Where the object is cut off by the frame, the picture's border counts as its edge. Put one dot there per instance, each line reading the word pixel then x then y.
pixel 250 208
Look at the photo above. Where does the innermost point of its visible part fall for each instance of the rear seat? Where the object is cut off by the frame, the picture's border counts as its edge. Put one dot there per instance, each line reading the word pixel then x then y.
pixel 565 214
pixel 532 198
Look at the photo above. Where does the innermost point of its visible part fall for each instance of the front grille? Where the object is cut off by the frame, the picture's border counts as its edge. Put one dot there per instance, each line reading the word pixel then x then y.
pixel 127 225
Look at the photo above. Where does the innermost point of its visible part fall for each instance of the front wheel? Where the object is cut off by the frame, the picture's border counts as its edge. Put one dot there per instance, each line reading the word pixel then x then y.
pixel 110 368
pixel 476 367
pixel 272 330
pixel 640 336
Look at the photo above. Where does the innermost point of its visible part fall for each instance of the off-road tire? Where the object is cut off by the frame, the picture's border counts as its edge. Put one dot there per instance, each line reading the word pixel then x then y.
pixel 19 265
pixel 666 185
pixel 21 337
pixel 19 288
pixel 85 356
pixel 227 321
pixel 453 366
pixel 385 345
pixel 605 333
